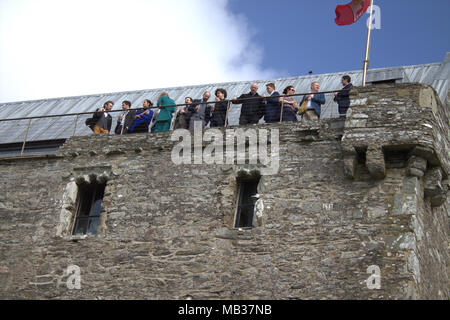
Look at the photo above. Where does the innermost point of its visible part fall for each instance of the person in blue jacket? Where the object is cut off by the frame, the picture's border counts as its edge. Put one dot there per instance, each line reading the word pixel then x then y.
pixel 143 118
pixel 273 106
pixel 314 102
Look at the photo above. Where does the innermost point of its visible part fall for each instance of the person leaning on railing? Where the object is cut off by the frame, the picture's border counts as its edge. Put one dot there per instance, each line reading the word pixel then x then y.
pixel 167 108
pixel 184 114
pixel 143 118
pixel 125 119
pixel 343 98
pixel 219 109
pixel 102 119
pixel 273 106
pixel 252 109
pixel 314 102
pixel 202 111
pixel 290 106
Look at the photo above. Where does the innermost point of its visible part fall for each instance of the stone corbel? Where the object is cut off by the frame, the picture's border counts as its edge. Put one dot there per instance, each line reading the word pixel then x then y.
pixel 87 179
pixel 417 166
pixel 350 162
pixel 435 189
pixel 375 162
pixel 424 163
pixel 84 179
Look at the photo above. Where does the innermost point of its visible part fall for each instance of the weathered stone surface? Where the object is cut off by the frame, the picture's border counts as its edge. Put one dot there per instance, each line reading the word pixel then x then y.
pixel 399 118
pixel 438 199
pixel 350 162
pixel 427 153
pixel 417 166
pixel 375 163
pixel 415 172
pixel 167 231
pixel 433 182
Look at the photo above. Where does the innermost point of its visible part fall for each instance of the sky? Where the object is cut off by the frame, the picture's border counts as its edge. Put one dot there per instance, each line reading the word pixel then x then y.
pixel 55 48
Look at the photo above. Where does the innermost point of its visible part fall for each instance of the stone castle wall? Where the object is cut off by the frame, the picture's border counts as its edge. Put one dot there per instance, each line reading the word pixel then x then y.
pixel 345 198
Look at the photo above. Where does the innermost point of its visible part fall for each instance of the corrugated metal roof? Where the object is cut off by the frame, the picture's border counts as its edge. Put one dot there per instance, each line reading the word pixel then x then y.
pixel 435 74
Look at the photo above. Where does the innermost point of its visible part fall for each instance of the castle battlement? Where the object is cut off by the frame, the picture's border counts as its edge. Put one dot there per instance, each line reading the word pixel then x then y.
pixel 348 196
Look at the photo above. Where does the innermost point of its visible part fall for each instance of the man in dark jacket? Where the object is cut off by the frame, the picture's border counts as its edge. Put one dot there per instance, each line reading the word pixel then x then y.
pixel 342 98
pixel 201 112
pixel 251 110
pixel 103 120
pixel 184 114
pixel 219 109
pixel 125 119
pixel 273 106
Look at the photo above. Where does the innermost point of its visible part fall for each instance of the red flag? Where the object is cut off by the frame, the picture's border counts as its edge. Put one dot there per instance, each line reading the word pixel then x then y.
pixel 350 13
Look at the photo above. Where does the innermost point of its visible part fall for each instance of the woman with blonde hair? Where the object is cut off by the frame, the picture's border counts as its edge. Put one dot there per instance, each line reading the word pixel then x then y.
pixel 167 108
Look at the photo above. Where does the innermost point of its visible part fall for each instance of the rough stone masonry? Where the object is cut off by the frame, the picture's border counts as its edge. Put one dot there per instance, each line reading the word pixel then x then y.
pixel 371 190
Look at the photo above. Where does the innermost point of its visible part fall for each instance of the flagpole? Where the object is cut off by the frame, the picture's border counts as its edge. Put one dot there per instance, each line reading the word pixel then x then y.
pixel 366 59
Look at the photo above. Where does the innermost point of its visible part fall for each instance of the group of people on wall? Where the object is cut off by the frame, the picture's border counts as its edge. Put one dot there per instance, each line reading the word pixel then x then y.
pixel 272 108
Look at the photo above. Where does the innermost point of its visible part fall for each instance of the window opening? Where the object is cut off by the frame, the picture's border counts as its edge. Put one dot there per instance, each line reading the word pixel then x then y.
pixel 89 208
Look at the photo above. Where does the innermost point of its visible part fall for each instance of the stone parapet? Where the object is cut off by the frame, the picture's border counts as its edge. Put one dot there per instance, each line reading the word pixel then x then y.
pixel 166 230
pixel 400 118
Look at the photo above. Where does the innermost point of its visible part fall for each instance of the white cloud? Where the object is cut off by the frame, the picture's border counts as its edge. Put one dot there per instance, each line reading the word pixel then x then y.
pixel 54 48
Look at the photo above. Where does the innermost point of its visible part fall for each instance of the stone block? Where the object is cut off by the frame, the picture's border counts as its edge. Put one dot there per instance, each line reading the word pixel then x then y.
pixel 433 182
pixel 410 205
pixel 350 162
pixel 403 242
pixel 411 185
pixel 439 199
pixel 398 204
pixel 417 166
pixel 414 266
pixel 356 123
pixel 426 153
pixel 415 172
pixel 375 163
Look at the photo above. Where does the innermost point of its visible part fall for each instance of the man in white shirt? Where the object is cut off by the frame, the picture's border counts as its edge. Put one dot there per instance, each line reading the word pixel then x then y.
pixel 125 119
pixel 314 102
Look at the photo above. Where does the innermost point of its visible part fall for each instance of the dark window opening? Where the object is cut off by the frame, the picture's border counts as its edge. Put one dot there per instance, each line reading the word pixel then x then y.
pixel 361 155
pixel 397 156
pixel 90 198
pixel 246 203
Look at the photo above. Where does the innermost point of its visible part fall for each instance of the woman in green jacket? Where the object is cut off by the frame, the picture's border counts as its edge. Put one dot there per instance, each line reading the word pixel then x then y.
pixel 164 119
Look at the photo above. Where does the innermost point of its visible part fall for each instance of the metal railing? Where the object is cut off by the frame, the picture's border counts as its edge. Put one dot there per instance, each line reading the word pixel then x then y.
pixel 174 117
